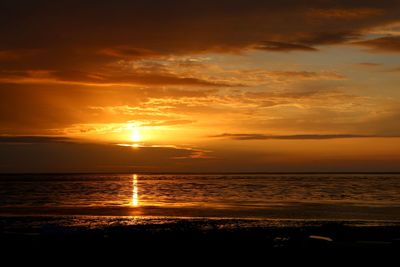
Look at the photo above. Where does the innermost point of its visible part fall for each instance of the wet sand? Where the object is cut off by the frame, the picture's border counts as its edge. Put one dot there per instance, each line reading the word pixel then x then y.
pixel 113 234
pixel 315 211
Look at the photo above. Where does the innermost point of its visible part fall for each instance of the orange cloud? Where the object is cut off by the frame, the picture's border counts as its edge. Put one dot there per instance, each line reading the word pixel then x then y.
pixel 383 44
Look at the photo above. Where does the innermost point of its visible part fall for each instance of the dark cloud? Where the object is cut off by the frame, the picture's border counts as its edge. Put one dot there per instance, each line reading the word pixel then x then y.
pixel 128 78
pixel 290 137
pixel 281 46
pixel 58 154
pixel 384 44
pixel 153 78
pixel 32 139
pixel 369 64
pixel 75 156
pixel 87 35
pixel 306 75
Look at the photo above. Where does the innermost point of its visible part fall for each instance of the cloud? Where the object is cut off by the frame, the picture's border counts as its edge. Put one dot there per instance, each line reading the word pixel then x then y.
pixel 369 64
pixel 383 44
pixel 307 75
pixel 32 139
pixel 152 78
pixel 48 110
pixel 59 154
pixel 167 123
pixel 148 53
pixel 346 14
pixel 39 43
pixel 394 70
pixel 290 137
pixel 283 47
pixel 80 157
pixel 105 32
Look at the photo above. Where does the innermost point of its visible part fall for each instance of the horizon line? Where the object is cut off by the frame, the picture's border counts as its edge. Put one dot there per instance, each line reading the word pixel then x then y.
pixel 202 173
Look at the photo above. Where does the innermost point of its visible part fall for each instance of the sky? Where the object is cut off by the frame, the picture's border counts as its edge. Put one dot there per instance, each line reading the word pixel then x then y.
pixel 199 86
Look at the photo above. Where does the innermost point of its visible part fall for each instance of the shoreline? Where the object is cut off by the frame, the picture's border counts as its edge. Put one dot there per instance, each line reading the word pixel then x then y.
pixel 99 221
pixel 288 211
pixel 113 232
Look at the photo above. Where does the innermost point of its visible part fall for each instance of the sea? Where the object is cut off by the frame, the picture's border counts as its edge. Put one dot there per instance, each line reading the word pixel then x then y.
pixel 364 198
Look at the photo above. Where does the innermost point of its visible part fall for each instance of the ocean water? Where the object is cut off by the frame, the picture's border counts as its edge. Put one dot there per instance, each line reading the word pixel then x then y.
pixel 270 196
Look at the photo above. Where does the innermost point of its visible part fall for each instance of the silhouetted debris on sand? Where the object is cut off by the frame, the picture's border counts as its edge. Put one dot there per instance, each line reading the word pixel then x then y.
pixel 121 233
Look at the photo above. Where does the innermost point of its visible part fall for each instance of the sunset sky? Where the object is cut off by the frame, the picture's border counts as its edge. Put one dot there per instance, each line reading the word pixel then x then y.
pixel 199 86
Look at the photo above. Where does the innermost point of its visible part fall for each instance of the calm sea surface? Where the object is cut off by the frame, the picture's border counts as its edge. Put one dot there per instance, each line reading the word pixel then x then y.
pixel 314 197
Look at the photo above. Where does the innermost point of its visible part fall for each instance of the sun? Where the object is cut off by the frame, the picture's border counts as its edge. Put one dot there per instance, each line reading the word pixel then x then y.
pixel 135 135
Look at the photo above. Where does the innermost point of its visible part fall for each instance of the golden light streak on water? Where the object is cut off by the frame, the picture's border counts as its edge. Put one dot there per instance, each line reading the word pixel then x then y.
pixel 135 195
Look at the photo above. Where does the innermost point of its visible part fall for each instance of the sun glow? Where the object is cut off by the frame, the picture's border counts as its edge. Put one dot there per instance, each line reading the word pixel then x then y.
pixel 135 134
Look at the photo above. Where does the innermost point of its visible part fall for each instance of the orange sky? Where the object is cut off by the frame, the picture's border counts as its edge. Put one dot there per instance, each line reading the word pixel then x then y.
pixel 197 86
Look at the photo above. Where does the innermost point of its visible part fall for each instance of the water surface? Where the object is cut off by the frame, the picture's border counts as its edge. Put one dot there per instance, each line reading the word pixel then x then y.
pixel 294 196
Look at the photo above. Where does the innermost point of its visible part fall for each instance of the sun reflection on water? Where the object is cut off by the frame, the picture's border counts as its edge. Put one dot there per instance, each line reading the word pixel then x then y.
pixel 135 195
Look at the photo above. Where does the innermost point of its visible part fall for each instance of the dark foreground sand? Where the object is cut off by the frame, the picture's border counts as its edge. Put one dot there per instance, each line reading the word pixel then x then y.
pixel 69 234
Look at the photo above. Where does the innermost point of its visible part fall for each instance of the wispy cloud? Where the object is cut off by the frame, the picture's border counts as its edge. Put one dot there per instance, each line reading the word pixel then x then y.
pixel 369 64
pixel 253 136
pixel 387 44
pixel 150 78
pixel 283 47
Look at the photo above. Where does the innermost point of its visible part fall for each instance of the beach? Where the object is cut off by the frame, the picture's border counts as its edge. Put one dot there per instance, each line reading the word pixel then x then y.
pixel 240 212
pixel 75 235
